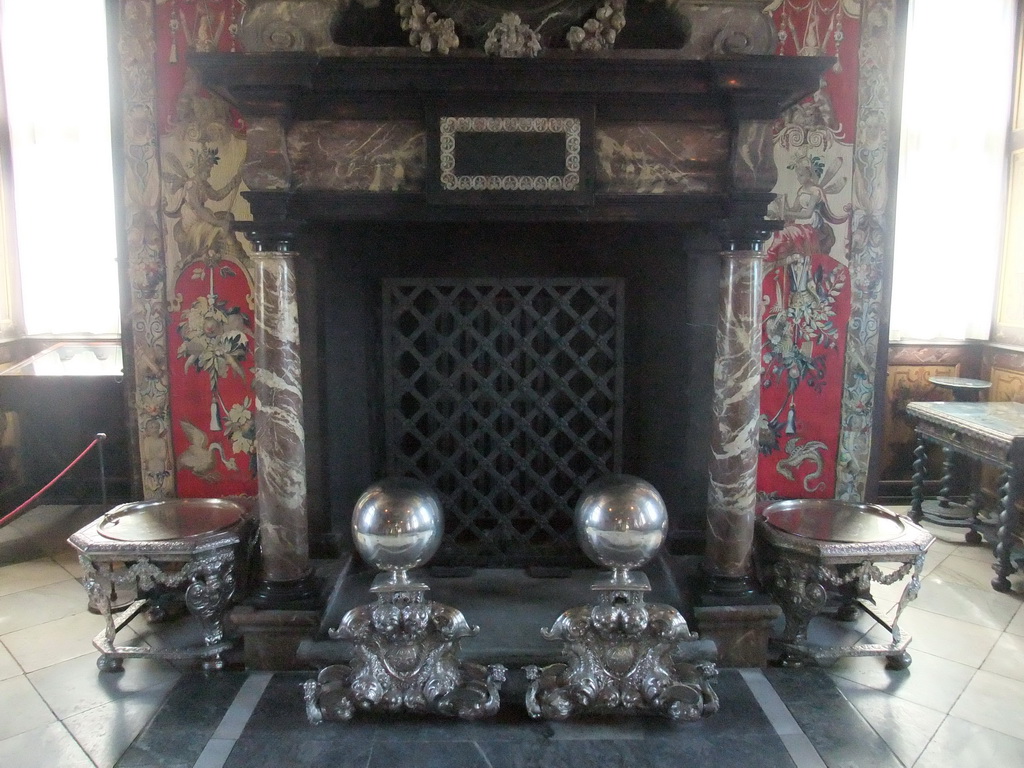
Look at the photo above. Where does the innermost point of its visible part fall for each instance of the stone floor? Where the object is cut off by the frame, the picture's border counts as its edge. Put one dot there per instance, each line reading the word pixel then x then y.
pixel 960 704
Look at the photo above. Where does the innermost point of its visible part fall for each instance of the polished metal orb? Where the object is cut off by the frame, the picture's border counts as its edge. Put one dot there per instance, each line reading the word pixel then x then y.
pixel 621 521
pixel 397 524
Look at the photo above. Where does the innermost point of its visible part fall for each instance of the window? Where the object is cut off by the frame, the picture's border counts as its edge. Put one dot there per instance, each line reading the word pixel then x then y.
pixel 59 270
pixel 1009 320
pixel 950 200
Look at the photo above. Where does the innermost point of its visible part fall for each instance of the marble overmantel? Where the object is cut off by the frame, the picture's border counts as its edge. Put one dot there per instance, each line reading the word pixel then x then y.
pixel 349 137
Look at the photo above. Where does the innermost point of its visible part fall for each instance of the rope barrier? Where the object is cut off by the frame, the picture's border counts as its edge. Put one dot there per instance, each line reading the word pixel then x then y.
pixel 98 440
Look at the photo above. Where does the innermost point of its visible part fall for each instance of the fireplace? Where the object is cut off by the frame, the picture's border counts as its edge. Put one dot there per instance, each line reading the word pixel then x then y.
pixel 508 365
pixel 510 276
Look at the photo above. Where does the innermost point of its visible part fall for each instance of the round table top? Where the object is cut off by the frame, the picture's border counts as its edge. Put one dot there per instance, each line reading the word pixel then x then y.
pixel 169 519
pixel 956 382
pixel 833 520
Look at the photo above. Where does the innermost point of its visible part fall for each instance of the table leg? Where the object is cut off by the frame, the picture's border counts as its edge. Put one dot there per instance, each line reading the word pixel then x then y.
pixel 1007 525
pixel 801 597
pixel 208 597
pixel 99 583
pixel 920 473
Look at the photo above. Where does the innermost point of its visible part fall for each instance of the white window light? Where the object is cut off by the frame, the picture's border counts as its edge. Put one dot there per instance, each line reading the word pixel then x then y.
pixel 58 113
pixel 957 91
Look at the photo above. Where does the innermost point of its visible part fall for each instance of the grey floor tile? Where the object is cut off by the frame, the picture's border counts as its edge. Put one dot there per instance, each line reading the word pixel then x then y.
pixel 29 575
pixel 947 637
pixel 297 751
pixel 428 754
pixel 802 752
pixel 215 753
pixel 906 727
pixel 105 732
pixel 76 685
pixel 54 642
pixel 961 744
pixel 185 722
pixel 40 605
pixel 1007 657
pixel 930 680
pixel 838 732
pixel 23 709
pixel 46 747
pixel 8 666
pixel 994 702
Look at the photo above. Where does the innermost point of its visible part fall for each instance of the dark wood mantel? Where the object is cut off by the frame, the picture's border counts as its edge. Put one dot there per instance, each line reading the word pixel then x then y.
pixel 396 83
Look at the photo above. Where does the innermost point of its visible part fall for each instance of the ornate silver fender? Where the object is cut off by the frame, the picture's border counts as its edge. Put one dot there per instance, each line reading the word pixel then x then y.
pixel 620 659
pixel 406 659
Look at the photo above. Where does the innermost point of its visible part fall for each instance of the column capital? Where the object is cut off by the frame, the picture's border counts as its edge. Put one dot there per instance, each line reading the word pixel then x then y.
pixel 743 234
pixel 270 237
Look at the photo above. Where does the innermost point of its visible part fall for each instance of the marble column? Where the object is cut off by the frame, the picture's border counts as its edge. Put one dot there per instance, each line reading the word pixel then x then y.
pixel 736 408
pixel 280 442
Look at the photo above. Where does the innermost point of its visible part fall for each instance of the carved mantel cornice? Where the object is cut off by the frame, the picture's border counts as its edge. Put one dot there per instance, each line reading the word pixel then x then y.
pixel 395 83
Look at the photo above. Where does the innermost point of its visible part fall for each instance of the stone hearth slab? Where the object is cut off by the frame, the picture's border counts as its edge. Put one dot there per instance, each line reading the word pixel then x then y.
pixel 508 605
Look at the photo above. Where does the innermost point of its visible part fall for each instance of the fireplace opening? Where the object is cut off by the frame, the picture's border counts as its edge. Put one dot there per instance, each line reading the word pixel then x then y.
pixel 507 364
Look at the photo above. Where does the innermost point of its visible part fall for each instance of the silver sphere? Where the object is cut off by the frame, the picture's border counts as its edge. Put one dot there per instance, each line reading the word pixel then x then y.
pixel 397 524
pixel 621 521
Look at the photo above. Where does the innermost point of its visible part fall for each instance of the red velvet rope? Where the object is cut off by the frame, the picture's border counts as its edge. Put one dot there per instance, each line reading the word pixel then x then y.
pixel 23 507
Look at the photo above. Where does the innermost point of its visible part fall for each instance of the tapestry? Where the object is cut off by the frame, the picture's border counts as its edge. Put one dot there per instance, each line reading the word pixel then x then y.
pixel 211 308
pixel 808 290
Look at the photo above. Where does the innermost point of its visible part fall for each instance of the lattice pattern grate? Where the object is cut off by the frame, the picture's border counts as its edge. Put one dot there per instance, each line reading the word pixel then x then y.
pixel 505 396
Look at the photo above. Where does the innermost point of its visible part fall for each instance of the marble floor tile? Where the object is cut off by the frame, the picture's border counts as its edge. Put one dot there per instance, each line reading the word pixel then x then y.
pixel 930 680
pixel 56 641
pixel 967 571
pixel 1007 657
pixel 49 746
pixel 983 553
pixel 29 575
pixel 949 638
pixel 962 744
pixel 1016 625
pixel 76 685
pixel 22 709
pixel 106 731
pixel 994 702
pixel 906 727
pixel 68 560
pixel 31 607
pixel 944 594
pixel 8 666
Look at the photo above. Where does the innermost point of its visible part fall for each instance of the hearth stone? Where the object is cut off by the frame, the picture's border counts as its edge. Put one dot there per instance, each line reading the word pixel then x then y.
pixel 509 606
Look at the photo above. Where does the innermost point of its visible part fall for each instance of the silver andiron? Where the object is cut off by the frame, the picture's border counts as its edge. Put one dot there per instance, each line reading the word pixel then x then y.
pixel 622 655
pixel 406 648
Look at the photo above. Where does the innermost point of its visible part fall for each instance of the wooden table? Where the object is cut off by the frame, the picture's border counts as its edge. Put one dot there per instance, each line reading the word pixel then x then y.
pixel 992 433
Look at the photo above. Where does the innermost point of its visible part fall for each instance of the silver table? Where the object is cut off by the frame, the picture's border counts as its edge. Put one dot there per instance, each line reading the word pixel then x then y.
pixel 813 551
pixel 176 543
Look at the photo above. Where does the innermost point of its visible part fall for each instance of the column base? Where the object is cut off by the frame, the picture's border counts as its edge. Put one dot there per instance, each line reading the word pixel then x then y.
pixel 740 632
pixel 715 589
pixel 302 594
pixel 271 639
